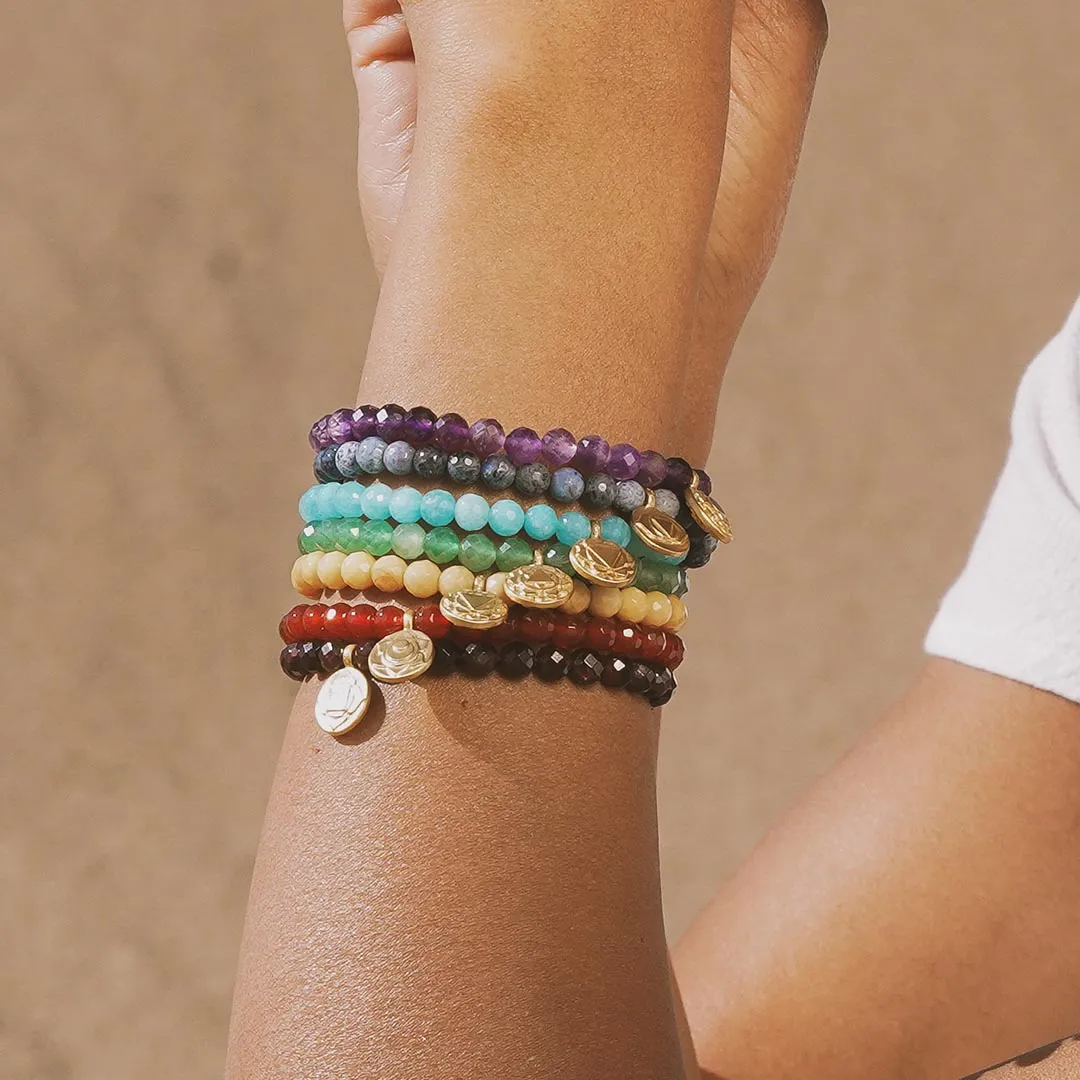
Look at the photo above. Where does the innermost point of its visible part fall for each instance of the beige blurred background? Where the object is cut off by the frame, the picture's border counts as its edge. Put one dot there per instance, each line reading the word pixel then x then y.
pixel 184 286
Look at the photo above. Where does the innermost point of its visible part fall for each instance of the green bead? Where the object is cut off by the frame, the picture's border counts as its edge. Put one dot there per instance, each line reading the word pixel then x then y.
pixel 409 541
pixel 349 534
pixel 324 539
pixel 378 537
pixel 513 553
pixel 477 552
pixel 647 576
pixel 683 586
pixel 306 541
pixel 669 578
pixel 558 555
pixel 442 546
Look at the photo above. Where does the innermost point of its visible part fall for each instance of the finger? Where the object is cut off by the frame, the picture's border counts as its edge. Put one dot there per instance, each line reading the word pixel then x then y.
pixel 776 48
pixel 385 76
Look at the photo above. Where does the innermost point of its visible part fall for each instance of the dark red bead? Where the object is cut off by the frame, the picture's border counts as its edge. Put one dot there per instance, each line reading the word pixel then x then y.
pixel 674 651
pixel 641 678
pixel 292 625
pixel 585 667
pixel 550 663
pixel 477 658
pixel 628 639
pixel 662 689
pixel 388 620
pixel 335 620
pixel 653 644
pixel 360 654
pixel 616 672
pixel 464 635
pixel 569 631
pixel 515 660
pixel 360 623
pixel 536 626
pixel 293 662
pixel 432 621
pixel 330 657
pixel 313 621
pixel 445 658
pixel 600 634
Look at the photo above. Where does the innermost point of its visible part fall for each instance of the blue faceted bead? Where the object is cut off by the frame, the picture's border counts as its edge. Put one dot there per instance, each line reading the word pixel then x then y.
pixel 349 500
pixel 398 458
pixel 541 521
pixel 616 530
pixel 370 455
pixel 573 527
pixel 472 512
pixel 308 503
pixel 567 485
pixel 405 505
pixel 437 507
pixel 507 517
pixel 325 502
pixel 376 502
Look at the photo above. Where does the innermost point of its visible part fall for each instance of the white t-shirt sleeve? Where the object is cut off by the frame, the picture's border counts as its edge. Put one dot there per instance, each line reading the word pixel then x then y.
pixel 1015 609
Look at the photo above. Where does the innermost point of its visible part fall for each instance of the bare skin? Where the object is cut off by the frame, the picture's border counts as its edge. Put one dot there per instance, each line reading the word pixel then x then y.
pixel 470 886
pixel 1058 1060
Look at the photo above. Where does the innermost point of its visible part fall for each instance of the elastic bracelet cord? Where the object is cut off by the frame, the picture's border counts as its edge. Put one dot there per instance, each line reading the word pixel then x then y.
pixel 512 660
pixel 361 623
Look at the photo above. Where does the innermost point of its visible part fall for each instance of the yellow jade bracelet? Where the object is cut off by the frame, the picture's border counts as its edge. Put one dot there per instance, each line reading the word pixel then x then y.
pixel 332 571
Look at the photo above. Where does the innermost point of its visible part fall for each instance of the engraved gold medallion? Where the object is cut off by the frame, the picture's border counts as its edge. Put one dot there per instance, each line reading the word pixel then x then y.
pixel 475 608
pixel 343 701
pixel 707 512
pixel 538 586
pixel 402 656
pixel 658 531
pixel 603 562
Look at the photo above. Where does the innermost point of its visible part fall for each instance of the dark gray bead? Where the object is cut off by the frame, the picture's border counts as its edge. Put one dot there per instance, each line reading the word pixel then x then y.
pixel 398 458
pixel 533 479
pixel 326 468
pixel 629 495
pixel 567 485
pixel 369 456
pixel 346 460
pixel 429 462
pixel 463 466
pixel 498 472
pixel 599 491
pixel 701 550
pixel 667 502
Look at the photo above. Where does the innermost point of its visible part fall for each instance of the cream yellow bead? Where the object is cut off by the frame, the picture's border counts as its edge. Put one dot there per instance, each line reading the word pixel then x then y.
pixel 579 599
pixel 330 570
pixel 659 609
pixel 633 605
pixel 388 573
pixel 422 579
pixel 300 570
pixel 605 602
pixel 356 569
pixel 455 579
pixel 678 615
pixel 496 583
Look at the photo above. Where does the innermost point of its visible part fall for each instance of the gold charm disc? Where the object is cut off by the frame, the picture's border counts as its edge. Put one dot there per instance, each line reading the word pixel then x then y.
pixel 474 609
pixel 658 531
pixel 538 586
pixel 707 512
pixel 603 562
pixel 402 656
pixel 343 701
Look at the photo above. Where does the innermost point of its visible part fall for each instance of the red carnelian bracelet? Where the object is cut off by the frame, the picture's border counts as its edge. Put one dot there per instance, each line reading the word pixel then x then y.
pixel 365 622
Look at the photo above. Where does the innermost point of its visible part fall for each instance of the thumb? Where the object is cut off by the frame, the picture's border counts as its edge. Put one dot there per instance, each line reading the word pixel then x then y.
pixel 384 72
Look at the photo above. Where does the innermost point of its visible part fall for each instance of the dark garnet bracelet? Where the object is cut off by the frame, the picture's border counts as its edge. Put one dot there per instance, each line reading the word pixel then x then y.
pixel 301 660
pixel 361 623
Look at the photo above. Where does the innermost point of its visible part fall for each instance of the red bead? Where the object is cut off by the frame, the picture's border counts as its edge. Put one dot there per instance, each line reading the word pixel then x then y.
pixel 463 635
pixel 674 652
pixel 291 627
pixel 432 621
pixel 653 644
pixel 312 621
pixel 360 623
pixel 600 634
pixel 388 620
pixel 569 631
pixel 334 622
pixel 536 626
pixel 628 640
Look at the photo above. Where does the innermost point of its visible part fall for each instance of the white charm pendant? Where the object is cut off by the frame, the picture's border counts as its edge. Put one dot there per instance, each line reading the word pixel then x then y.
pixel 343 701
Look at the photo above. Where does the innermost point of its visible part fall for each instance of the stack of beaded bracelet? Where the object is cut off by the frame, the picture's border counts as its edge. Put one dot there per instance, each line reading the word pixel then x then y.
pixel 510 604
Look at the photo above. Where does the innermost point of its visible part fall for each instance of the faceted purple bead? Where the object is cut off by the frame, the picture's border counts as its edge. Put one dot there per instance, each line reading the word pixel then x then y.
pixel 364 422
pixel 559 447
pixel 391 423
pixel 679 474
pixel 652 470
pixel 339 426
pixel 625 462
pixel 419 426
pixel 523 446
pixel 452 433
pixel 593 454
pixel 317 436
pixel 704 482
pixel 488 437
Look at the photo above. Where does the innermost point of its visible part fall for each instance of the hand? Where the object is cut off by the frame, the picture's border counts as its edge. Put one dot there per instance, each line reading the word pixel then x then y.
pixel 775 49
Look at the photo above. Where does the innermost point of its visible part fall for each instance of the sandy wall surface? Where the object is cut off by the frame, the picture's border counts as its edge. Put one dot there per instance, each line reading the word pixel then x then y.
pixel 184 285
